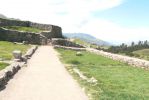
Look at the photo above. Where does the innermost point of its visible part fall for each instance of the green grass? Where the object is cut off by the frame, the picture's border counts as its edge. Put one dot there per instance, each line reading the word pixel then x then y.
pixel 26 29
pixel 144 53
pixel 3 65
pixel 116 81
pixel 6 49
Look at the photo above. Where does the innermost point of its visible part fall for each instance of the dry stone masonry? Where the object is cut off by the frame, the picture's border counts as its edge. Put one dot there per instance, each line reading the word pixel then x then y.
pixel 70 48
pixel 49 31
pixel 129 60
pixel 65 42
pixel 7 73
pixel 17 36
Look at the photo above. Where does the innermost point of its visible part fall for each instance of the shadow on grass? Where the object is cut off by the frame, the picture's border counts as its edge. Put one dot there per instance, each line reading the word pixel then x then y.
pixel 75 62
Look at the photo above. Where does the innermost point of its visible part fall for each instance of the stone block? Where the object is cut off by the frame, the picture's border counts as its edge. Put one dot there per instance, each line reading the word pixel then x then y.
pixel 79 54
pixel 17 54
pixel 2 81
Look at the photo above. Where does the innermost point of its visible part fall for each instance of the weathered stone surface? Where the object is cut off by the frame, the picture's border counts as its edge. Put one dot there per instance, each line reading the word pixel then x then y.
pixel 45 27
pixel 25 42
pixel 65 42
pixel 49 31
pixel 70 48
pixel 129 60
pixel 17 36
pixel 7 73
pixel 56 32
pixel 30 52
pixel 7 22
pixel 79 54
pixel 2 80
pixel 17 54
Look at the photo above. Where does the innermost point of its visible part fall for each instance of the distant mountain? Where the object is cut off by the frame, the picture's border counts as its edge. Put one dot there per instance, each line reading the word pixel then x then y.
pixel 86 37
pixel 2 16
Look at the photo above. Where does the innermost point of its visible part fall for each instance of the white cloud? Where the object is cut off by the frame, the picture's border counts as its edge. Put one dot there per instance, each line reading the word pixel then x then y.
pixel 73 16
pixel 115 33
pixel 31 9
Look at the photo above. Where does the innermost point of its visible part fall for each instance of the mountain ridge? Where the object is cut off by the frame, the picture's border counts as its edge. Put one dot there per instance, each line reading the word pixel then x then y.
pixel 3 16
pixel 88 38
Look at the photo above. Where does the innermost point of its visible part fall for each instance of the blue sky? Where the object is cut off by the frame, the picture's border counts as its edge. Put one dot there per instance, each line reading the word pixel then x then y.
pixel 115 21
pixel 131 13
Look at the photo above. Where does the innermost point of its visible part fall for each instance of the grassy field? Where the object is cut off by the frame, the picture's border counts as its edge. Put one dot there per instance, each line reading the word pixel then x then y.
pixel 142 53
pixel 26 29
pixel 115 80
pixel 3 65
pixel 6 49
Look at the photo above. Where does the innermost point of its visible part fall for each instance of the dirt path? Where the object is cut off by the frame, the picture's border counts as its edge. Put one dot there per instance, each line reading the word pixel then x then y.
pixel 45 78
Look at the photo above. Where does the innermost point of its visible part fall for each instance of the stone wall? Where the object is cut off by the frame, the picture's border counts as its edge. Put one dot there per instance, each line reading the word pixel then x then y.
pixel 41 26
pixel 129 60
pixel 52 31
pixel 70 48
pixel 65 42
pixel 17 36
pixel 6 22
pixel 7 73
pixel 56 32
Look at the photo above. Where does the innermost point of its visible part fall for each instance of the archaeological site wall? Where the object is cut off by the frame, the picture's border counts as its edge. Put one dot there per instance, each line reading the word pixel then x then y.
pixel 17 36
pixel 65 42
pixel 49 31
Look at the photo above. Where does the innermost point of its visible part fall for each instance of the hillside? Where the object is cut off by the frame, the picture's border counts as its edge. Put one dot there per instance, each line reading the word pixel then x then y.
pixel 144 53
pixel 87 38
pixel 2 16
pixel 5 17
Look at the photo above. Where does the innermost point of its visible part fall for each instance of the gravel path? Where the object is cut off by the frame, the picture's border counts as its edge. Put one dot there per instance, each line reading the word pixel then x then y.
pixel 45 78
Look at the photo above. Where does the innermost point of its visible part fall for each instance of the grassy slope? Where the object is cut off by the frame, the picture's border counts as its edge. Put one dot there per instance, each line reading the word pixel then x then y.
pixel 26 29
pixel 6 49
pixel 3 65
pixel 116 81
pixel 143 53
pixel 79 41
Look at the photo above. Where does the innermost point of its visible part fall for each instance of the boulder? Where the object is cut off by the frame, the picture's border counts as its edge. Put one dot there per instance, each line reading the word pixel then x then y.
pixel 17 54
pixel 79 54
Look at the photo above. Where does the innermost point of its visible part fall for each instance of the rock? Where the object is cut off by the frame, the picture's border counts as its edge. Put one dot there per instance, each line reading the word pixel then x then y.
pixel 17 54
pixel 65 42
pixel 25 42
pixel 79 54
pixel 1 59
pixel 47 31
pixel 2 81
pixel 24 59
pixel 8 75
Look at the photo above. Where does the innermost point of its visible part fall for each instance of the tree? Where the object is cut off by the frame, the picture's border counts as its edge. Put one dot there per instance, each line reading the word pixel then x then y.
pixel 132 44
pixel 145 43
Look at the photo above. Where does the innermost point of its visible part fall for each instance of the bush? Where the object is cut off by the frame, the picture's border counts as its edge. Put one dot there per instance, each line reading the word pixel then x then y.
pixel 129 54
pixel 136 55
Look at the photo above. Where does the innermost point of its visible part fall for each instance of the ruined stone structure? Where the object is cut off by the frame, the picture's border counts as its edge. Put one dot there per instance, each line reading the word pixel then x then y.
pixel 49 31
pixel 129 60
pixel 7 73
pixel 65 42
pixel 17 36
